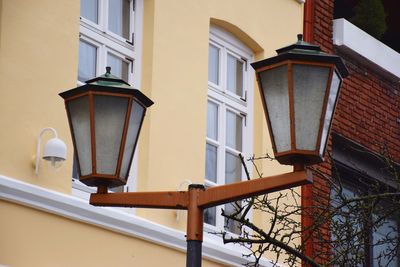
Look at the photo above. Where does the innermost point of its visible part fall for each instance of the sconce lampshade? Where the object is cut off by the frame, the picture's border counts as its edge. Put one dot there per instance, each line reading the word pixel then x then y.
pixel 105 116
pixel 55 150
pixel 299 89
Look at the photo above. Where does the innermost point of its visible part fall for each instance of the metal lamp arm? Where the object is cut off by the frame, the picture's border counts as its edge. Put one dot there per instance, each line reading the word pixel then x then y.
pixel 222 194
pixel 208 197
pixel 156 200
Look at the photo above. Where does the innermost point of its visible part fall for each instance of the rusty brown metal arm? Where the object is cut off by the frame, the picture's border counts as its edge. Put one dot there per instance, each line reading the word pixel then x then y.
pixel 210 197
pixel 156 200
pixel 218 195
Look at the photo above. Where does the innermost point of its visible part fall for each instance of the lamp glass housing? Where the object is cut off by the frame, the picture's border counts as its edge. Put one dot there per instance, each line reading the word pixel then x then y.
pixel 105 117
pixel 299 88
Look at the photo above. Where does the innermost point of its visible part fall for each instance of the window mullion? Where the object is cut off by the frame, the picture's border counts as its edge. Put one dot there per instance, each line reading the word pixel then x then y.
pixel 245 79
pixel 106 12
pixel 244 146
pixel 103 15
pixel 212 142
pixel 131 22
pixel 221 148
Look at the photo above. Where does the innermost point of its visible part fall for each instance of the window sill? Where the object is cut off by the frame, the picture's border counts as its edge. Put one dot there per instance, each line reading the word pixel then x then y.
pixel 115 220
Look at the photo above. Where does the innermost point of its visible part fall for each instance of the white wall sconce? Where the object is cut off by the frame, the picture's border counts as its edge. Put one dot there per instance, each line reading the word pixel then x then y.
pixel 54 151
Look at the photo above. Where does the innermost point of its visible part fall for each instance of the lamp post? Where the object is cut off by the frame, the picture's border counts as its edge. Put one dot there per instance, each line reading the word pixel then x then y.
pixel 105 116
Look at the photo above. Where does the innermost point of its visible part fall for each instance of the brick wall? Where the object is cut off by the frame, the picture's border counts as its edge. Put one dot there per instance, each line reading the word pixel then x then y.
pixel 367 113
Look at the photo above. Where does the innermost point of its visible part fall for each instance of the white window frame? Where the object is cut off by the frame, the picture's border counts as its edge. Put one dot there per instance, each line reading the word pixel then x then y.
pixel 228 101
pixel 109 42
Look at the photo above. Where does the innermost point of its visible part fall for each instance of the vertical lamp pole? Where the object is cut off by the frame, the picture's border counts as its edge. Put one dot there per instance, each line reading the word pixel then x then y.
pixel 299 89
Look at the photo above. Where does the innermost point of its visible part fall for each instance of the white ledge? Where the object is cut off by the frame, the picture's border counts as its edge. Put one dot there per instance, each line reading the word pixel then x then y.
pixel 347 35
pixel 112 219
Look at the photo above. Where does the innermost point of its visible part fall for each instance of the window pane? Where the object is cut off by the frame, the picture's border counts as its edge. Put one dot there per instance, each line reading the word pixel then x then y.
pixel 212 120
pixel 87 61
pixel 119 67
pixel 118 17
pixel 347 239
pixel 209 215
pixel 211 163
pixel 234 130
pixel 384 239
pixel 233 168
pixel 89 10
pixel 235 75
pixel 230 225
pixel 213 64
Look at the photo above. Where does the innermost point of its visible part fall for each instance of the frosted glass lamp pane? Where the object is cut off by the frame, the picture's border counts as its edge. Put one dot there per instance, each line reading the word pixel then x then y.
pixel 89 10
pixel 80 120
pixel 211 163
pixel 309 87
pixel 87 61
pixel 234 130
pixel 212 120
pixel 119 17
pixel 135 121
pixel 233 168
pixel 274 84
pixel 213 64
pixel 109 118
pixel 235 75
pixel 333 94
pixel 119 67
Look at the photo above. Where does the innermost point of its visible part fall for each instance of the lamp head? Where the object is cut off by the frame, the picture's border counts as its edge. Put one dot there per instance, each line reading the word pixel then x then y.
pixel 105 117
pixel 299 89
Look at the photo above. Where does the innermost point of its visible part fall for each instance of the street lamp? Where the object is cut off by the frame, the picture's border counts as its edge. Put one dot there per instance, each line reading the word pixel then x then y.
pixel 106 114
pixel 299 89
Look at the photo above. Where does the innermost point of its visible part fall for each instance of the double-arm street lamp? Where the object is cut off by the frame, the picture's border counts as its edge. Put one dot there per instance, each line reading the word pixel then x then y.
pixel 299 89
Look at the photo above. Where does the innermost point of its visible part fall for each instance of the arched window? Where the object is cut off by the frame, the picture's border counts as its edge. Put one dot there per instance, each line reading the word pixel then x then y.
pixel 229 116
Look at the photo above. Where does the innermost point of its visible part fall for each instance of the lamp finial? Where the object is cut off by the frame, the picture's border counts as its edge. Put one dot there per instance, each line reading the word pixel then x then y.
pixel 300 37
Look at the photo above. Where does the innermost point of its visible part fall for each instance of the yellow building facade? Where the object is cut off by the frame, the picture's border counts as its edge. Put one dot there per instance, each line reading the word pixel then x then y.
pixel 180 54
